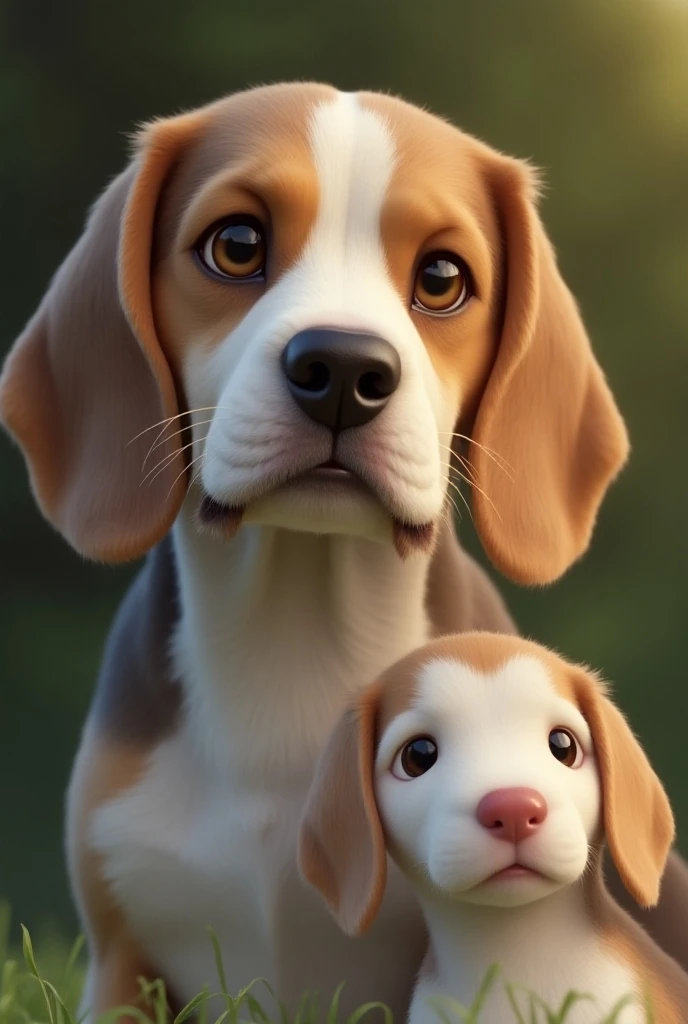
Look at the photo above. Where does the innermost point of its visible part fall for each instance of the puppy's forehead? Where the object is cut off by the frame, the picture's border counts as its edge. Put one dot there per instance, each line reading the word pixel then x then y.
pixel 424 674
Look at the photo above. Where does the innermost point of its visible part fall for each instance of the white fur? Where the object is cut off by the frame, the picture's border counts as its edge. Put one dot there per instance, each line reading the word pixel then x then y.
pixel 259 437
pixel 491 733
pixel 279 628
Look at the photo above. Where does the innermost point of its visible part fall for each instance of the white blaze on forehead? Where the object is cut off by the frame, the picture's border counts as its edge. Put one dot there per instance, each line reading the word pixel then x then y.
pixel 354 156
pixel 459 698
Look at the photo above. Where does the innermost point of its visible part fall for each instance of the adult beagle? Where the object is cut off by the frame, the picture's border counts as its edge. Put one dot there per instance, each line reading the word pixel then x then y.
pixel 288 326
pixel 492 771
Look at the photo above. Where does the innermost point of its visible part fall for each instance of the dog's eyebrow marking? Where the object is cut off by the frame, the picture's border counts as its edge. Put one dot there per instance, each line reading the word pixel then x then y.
pixel 354 156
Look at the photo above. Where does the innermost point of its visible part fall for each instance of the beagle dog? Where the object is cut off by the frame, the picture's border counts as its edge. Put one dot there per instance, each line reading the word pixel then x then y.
pixel 290 324
pixel 491 770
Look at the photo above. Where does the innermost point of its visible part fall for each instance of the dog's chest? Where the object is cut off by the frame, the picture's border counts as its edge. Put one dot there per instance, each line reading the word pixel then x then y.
pixel 186 850
pixel 538 969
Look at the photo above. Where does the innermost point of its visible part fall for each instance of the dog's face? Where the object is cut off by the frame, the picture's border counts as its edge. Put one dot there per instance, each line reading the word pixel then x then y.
pixel 487 785
pixel 489 768
pixel 327 294
pixel 326 289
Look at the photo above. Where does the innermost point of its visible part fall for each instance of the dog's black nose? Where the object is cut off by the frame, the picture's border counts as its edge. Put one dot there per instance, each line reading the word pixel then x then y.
pixel 341 378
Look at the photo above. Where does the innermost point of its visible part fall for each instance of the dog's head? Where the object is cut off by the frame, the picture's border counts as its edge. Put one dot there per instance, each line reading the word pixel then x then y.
pixel 312 295
pixel 489 767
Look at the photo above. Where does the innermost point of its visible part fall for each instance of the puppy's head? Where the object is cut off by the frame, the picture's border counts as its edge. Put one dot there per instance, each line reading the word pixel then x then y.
pixel 489 767
pixel 288 307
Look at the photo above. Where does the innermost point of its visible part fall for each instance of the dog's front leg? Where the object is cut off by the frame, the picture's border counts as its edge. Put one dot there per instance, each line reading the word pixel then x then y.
pixel 117 965
pixel 114 979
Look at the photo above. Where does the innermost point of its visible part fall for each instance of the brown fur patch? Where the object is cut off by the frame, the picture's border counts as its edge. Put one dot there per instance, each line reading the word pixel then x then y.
pixel 658 976
pixel 252 157
pixel 103 770
pixel 438 200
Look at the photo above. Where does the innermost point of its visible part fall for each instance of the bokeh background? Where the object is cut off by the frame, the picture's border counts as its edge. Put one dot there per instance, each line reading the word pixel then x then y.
pixel 593 91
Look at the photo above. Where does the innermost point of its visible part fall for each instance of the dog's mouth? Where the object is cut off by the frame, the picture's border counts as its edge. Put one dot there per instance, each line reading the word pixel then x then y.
pixel 224 520
pixel 332 471
pixel 515 872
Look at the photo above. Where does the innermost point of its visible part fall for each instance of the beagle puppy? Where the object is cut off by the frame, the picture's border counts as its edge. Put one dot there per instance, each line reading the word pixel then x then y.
pixel 492 771
pixel 290 325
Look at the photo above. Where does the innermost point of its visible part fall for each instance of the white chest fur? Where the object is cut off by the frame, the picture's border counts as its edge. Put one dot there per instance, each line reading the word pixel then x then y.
pixel 549 948
pixel 208 835
pixel 185 851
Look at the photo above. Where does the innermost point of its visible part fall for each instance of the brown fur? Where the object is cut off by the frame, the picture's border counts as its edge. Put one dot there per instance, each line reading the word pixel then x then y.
pixel 341 820
pixel 121 311
pixel 102 771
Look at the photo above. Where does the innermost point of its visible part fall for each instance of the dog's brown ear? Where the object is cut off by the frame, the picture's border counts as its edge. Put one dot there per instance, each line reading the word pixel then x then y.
pixel 341 849
pixel 88 373
pixel 638 821
pixel 547 413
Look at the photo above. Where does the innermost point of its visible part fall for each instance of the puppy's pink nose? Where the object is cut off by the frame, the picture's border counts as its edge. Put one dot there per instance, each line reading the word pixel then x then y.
pixel 512 814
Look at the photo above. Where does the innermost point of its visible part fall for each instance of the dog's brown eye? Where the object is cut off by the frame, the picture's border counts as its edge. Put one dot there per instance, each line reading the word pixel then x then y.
pixel 564 746
pixel 235 249
pixel 442 284
pixel 416 758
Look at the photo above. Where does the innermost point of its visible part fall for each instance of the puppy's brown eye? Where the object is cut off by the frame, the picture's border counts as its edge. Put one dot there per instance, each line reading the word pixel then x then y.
pixel 564 746
pixel 235 249
pixel 442 284
pixel 416 758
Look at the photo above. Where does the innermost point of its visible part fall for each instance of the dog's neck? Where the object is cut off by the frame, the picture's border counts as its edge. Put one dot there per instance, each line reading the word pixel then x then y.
pixel 550 946
pixel 279 629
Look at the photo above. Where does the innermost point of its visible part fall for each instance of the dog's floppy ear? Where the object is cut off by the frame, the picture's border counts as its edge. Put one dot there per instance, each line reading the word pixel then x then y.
pixel 547 412
pixel 638 821
pixel 88 373
pixel 341 849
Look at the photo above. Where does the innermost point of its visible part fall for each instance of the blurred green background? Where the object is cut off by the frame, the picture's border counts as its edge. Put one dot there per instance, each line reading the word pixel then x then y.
pixel 593 91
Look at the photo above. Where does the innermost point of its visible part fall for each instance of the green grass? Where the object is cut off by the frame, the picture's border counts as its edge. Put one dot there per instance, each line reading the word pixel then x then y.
pixel 44 986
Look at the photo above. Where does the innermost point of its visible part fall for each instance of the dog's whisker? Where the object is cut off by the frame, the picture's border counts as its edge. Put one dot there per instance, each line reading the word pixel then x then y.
pixel 453 503
pixel 161 439
pixel 465 462
pixel 474 485
pixel 171 419
pixel 180 475
pixel 498 459
pixel 162 465
pixel 463 499
pixel 198 423
pixel 468 467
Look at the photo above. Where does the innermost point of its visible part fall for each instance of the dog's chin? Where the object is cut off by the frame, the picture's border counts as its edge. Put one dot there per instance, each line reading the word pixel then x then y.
pixel 514 889
pixel 514 884
pixel 328 500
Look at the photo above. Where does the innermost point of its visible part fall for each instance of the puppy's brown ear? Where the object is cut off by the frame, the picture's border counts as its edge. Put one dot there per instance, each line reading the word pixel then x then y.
pixel 341 849
pixel 88 373
pixel 638 821
pixel 546 411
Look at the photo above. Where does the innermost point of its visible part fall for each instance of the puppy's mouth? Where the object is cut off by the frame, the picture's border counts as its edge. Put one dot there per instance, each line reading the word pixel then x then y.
pixel 224 520
pixel 514 872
